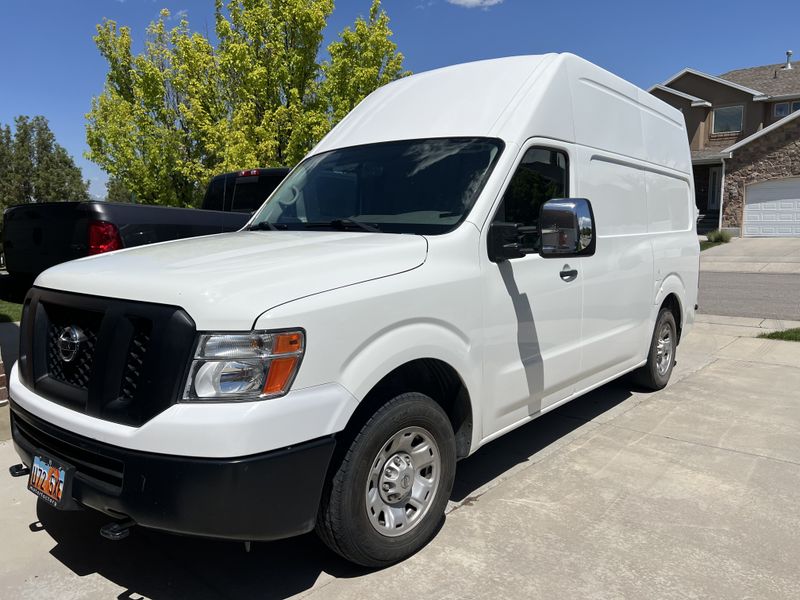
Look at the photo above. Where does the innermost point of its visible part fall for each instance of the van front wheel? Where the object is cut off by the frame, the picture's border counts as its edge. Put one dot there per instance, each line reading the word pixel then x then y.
pixel 387 497
pixel 655 374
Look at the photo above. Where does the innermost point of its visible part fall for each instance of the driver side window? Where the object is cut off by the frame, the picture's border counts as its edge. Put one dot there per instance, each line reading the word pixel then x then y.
pixel 540 176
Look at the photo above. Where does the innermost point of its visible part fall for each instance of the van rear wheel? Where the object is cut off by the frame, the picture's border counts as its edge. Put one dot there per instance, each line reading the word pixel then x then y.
pixel 655 373
pixel 387 497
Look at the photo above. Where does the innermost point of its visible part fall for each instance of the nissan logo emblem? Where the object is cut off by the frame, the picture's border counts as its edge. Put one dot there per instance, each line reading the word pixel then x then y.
pixel 69 342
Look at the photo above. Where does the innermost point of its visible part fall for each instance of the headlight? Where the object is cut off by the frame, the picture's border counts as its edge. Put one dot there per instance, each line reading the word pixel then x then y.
pixel 248 366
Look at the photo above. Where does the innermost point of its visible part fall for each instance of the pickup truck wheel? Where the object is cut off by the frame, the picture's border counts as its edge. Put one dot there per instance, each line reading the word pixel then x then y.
pixel 387 497
pixel 655 374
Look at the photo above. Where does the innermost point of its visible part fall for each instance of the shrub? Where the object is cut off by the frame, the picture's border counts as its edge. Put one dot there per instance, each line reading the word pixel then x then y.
pixel 720 237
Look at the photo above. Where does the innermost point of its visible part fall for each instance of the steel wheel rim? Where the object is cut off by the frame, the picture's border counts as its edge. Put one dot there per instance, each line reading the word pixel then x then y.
pixel 403 481
pixel 664 349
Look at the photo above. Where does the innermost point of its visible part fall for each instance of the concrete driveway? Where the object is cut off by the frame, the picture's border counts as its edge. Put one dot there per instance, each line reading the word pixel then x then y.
pixel 692 492
pixel 753 255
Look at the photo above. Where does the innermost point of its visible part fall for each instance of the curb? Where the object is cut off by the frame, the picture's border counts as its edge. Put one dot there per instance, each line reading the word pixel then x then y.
pixel 753 322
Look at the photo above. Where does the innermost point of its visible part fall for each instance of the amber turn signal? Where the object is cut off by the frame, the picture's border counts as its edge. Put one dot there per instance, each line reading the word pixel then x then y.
pixel 281 371
pixel 287 343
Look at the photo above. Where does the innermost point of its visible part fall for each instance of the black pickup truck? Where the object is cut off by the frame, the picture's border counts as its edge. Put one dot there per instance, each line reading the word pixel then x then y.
pixel 38 236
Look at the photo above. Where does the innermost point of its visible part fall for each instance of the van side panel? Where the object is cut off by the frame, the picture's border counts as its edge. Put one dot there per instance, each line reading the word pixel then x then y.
pixel 617 190
pixel 668 203
pixel 618 278
pixel 664 134
pixel 605 110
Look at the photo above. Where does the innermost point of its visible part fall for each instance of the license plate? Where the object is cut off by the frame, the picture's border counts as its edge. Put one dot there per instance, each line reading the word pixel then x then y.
pixel 49 480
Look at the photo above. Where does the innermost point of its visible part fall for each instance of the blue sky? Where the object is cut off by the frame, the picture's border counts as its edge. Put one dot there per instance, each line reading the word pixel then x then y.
pixel 50 66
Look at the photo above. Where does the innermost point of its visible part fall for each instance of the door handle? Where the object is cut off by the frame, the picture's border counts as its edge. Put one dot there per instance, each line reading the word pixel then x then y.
pixel 568 273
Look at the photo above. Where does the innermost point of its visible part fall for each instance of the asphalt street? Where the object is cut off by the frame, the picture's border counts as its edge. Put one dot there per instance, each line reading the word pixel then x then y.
pixel 765 295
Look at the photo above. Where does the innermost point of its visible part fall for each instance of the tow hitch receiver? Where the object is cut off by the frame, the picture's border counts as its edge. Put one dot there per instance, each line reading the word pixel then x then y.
pixel 117 530
pixel 19 470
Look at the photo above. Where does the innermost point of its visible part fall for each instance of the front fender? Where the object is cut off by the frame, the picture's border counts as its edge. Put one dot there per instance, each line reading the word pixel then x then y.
pixel 400 343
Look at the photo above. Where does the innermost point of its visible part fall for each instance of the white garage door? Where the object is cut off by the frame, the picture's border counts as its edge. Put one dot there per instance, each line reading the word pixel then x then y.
pixel 772 208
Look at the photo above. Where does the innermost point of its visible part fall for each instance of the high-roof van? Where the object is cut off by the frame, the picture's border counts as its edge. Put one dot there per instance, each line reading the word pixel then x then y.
pixel 467 250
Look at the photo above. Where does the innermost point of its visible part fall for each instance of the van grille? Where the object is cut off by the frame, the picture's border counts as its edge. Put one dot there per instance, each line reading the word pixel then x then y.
pixel 134 364
pixel 128 366
pixel 78 370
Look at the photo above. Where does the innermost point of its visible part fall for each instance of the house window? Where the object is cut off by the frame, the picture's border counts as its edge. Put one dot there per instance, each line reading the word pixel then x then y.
pixel 784 108
pixel 728 119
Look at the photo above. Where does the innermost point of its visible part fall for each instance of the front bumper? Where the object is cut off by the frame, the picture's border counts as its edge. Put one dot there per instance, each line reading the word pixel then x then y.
pixel 239 428
pixel 264 496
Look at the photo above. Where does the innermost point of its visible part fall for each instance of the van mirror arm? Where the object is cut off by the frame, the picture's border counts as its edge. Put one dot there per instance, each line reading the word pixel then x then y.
pixel 506 240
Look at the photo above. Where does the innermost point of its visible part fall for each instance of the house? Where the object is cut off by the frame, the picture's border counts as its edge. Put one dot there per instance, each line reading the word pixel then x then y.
pixel 744 134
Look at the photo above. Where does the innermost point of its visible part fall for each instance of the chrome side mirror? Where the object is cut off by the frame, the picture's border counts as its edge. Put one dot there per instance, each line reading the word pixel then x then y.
pixel 567 228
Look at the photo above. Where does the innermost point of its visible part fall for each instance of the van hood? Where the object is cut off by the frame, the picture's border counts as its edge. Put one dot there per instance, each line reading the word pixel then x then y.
pixel 226 281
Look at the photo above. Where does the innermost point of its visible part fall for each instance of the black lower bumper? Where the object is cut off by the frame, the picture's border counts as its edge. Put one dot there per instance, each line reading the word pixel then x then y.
pixel 261 497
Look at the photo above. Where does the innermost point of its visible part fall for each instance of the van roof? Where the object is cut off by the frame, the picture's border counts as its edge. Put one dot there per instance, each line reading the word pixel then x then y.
pixel 559 96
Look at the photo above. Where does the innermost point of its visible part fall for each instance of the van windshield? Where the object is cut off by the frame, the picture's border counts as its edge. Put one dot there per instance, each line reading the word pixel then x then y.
pixel 414 186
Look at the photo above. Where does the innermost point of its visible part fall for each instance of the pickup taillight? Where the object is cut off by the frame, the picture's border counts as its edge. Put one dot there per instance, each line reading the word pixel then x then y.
pixel 103 237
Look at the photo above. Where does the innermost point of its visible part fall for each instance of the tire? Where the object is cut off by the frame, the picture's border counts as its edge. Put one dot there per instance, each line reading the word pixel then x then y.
pixel 655 373
pixel 386 498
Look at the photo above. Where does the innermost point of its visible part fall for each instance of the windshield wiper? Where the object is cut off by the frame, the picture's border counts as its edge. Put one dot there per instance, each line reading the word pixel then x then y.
pixel 343 224
pixel 264 226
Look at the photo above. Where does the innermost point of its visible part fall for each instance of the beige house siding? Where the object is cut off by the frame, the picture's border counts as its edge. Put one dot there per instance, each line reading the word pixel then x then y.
pixel 696 126
pixel 718 95
pixel 695 117
pixel 773 156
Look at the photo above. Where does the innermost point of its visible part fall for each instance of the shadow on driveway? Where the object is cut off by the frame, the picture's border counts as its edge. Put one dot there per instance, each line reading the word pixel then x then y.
pixel 163 566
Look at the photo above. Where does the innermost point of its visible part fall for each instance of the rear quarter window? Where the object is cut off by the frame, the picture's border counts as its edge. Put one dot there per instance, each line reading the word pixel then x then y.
pixel 250 192
pixel 215 194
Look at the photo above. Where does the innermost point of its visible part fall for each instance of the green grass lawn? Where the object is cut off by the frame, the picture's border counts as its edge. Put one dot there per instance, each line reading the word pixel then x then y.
pixel 707 245
pixel 9 311
pixel 789 335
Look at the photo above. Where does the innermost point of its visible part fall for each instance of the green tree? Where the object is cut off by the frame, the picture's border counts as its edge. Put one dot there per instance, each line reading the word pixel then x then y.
pixel 6 153
pixel 134 129
pixel 183 110
pixel 34 167
pixel 117 192
pixel 362 60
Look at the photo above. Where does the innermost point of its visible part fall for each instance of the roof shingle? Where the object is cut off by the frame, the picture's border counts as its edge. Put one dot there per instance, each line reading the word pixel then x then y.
pixel 772 80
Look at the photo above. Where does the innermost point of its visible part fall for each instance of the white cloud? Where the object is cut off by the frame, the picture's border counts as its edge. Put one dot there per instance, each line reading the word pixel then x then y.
pixel 178 16
pixel 475 3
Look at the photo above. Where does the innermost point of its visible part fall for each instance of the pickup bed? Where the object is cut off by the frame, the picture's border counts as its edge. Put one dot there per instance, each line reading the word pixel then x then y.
pixel 40 235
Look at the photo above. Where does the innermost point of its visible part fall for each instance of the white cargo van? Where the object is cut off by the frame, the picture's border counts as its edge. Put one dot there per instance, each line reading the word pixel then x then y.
pixel 470 248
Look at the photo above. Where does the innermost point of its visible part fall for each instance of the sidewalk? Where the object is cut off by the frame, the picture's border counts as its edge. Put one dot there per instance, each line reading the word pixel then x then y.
pixel 749 327
pixel 753 255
